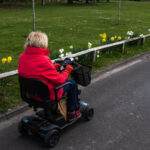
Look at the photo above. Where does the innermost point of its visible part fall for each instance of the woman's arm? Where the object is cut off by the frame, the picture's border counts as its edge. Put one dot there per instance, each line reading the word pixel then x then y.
pixel 49 72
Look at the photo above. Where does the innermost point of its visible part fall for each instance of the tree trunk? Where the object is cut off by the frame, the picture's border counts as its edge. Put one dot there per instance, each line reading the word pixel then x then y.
pixel 43 2
pixel 70 2
pixel 108 0
pixel 1 1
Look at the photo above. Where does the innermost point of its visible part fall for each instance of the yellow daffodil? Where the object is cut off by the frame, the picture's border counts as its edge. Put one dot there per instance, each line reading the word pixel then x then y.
pixel 103 40
pixel 9 59
pixel 119 37
pixel 4 60
pixel 89 46
pixel 112 38
pixel 104 35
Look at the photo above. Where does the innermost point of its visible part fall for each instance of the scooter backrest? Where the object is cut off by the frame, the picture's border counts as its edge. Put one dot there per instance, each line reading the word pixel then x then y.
pixel 31 87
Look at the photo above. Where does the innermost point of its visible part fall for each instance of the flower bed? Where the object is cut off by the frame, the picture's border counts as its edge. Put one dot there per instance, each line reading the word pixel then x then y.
pixel 104 39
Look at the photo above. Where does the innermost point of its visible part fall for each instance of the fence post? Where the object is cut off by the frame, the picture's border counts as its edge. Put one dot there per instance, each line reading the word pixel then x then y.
pixel 122 48
pixel 33 7
pixel 142 41
pixel 93 56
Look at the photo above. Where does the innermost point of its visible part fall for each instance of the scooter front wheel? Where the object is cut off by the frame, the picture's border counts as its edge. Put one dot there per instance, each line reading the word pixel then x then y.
pixel 21 129
pixel 88 114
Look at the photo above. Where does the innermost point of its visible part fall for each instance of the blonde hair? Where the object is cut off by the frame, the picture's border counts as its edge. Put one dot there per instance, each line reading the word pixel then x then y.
pixel 37 39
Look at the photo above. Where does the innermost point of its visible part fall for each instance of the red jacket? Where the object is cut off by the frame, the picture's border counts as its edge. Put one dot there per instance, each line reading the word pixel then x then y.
pixel 34 63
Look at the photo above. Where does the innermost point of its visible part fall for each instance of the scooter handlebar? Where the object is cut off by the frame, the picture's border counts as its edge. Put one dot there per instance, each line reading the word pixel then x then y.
pixel 68 61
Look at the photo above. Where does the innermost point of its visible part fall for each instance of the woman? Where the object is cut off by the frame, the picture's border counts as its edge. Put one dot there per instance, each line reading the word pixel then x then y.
pixel 34 63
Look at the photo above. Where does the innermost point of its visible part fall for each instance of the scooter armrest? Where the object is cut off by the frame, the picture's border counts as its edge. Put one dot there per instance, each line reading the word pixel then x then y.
pixel 56 89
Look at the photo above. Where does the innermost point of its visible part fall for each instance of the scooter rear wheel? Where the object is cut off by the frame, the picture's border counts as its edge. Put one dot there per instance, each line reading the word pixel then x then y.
pixel 52 138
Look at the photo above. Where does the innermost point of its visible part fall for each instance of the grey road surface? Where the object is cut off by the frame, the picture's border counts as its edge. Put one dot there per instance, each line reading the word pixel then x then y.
pixel 121 100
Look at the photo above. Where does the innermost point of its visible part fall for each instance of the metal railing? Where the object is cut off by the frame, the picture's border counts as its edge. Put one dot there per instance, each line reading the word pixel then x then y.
pixel 92 50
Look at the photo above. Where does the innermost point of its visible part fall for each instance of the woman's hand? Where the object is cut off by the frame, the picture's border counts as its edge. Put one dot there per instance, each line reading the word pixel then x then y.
pixel 68 69
pixel 57 66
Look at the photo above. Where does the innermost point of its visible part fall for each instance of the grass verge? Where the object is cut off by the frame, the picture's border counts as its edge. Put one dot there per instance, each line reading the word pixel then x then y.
pixel 69 25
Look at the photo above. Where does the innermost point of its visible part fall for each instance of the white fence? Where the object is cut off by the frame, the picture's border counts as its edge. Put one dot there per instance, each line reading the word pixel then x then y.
pixel 92 50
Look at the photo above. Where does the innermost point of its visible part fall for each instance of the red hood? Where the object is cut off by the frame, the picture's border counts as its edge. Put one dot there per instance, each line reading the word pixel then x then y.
pixel 37 51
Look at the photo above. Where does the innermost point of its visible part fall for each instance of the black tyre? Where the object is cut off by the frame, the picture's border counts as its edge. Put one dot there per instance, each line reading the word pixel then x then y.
pixel 52 138
pixel 22 129
pixel 88 114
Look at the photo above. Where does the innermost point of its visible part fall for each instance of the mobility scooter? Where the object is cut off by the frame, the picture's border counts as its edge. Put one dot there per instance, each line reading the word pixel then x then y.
pixel 48 123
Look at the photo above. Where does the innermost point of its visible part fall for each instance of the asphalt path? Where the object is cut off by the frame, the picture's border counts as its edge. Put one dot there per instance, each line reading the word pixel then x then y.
pixel 121 100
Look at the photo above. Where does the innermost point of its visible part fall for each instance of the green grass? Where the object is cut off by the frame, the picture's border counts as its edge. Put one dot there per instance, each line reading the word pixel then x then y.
pixel 68 25
pixel 11 94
